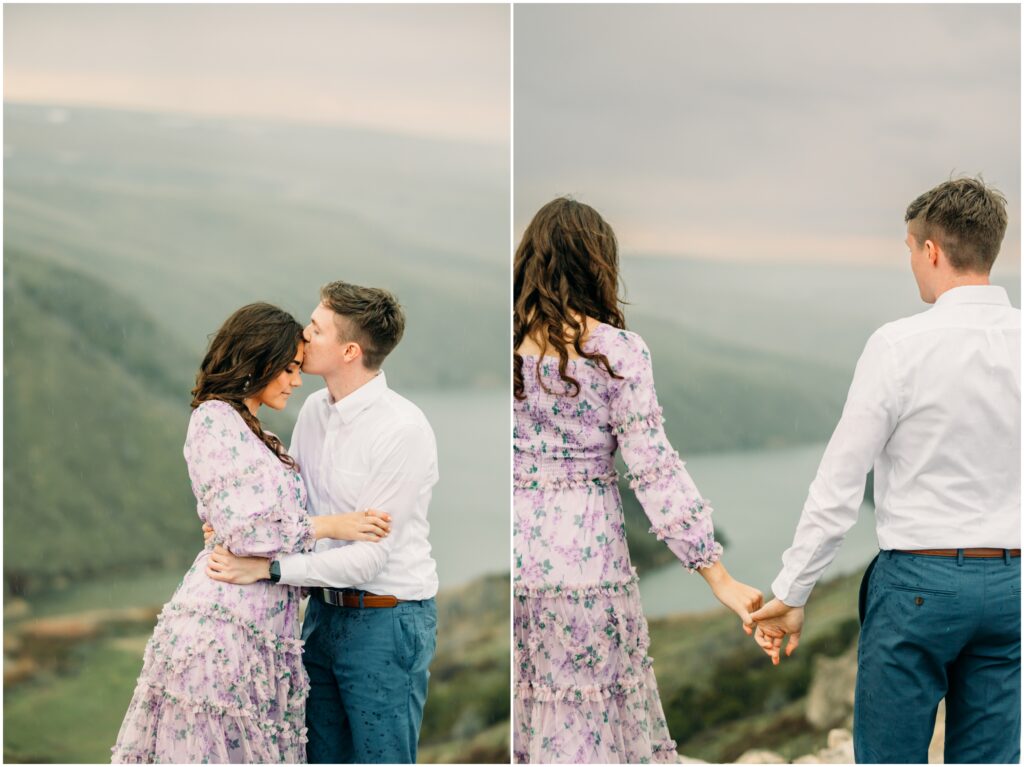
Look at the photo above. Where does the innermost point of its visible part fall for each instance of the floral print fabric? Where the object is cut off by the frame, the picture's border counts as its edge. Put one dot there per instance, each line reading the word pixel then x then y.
pixel 585 690
pixel 222 678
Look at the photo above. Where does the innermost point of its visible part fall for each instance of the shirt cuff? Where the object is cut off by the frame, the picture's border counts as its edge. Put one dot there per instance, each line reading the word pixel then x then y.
pixel 788 592
pixel 293 569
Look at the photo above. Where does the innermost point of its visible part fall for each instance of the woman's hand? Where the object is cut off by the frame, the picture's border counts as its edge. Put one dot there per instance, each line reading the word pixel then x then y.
pixel 369 525
pixel 207 532
pixel 225 566
pixel 738 597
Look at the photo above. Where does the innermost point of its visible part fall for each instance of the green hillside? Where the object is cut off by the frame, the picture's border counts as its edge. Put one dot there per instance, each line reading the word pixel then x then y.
pixel 95 411
pixel 196 218
pixel 720 395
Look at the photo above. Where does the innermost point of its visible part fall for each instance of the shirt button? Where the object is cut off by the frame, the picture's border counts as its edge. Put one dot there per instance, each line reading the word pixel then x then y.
pixel 918 601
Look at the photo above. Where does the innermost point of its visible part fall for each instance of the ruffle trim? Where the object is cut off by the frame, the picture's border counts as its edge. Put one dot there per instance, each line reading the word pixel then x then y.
pixel 640 422
pixel 565 482
pixel 667 468
pixel 580 590
pixel 594 693
pixel 273 666
pixel 287 737
pixel 699 511
pixel 274 642
pixel 676 529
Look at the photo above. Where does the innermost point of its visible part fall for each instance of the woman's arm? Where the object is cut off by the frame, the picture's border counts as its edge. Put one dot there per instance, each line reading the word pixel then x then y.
pixel 678 513
pixel 370 525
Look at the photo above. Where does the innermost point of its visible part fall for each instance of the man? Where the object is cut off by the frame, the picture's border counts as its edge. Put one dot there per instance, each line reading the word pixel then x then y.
pixel 370 626
pixel 935 407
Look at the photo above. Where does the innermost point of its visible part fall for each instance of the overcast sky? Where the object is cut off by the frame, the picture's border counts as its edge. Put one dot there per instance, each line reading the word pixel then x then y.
pixel 764 132
pixel 438 70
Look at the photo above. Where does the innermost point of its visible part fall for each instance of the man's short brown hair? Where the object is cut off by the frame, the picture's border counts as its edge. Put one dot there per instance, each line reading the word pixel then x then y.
pixel 370 317
pixel 965 217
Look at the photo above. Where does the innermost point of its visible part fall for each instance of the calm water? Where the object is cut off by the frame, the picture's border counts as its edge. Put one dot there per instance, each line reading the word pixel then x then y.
pixel 757 497
pixel 469 511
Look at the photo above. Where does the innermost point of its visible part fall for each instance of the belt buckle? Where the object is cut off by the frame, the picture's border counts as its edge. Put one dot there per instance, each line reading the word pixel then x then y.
pixel 332 597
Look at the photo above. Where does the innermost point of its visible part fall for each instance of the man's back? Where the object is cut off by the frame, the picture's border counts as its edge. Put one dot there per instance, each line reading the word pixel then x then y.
pixel 949 475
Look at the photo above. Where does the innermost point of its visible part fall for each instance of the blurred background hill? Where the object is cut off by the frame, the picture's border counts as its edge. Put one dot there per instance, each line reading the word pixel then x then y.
pixel 128 238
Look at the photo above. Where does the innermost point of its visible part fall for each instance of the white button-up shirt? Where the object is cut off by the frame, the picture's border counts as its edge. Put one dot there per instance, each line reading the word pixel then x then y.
pixel 935 407
pixel 370 449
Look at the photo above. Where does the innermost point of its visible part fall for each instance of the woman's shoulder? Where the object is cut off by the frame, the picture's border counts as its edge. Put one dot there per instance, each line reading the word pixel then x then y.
pixel 215 418
pixel 215 408
pixel 617 344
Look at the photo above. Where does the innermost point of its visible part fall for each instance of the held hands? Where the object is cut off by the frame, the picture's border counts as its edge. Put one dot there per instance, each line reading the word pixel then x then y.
pixel 774 621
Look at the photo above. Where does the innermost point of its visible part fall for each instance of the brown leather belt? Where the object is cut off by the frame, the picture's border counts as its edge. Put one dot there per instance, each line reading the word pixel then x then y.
pixel 969 553
pixel 348 598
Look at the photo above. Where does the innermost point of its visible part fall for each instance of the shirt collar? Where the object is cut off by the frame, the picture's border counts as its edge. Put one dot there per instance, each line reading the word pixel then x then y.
pixel 974 294
pixel 351 405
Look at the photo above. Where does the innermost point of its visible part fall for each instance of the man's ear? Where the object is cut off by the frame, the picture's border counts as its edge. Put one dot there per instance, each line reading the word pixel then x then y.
pixel 934 251
pixel 353 351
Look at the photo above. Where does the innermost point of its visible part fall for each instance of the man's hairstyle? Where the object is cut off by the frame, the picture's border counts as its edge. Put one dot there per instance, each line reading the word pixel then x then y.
pixel 370 317
pixel 965 217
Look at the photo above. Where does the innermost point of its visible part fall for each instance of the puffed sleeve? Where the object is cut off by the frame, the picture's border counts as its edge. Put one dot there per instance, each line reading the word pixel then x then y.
pixel 678 514
pixel 255 508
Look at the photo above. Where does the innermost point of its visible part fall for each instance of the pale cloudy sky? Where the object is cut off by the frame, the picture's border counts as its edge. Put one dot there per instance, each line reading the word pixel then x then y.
pixel 439 70
pixel 764 131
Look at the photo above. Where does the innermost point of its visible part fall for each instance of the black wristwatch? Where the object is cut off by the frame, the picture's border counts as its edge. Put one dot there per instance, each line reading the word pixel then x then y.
pixel 275 571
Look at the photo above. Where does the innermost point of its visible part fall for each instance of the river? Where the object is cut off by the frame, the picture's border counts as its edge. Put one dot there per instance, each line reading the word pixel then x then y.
pixel 757 497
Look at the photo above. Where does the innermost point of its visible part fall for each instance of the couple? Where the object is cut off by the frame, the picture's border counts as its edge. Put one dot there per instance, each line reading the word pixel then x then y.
pixel 224 678
pixel 934 407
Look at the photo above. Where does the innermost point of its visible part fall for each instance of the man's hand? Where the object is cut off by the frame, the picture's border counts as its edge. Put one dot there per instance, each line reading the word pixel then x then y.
pixel 774 621
pixel 225 566
pixel 207 532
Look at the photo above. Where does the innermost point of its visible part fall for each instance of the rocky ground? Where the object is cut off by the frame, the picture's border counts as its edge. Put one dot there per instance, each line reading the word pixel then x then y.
pixel 829 705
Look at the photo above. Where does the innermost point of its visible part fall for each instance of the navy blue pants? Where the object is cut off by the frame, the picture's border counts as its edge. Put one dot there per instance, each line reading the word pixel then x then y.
pixel 934 627
pixel 368 671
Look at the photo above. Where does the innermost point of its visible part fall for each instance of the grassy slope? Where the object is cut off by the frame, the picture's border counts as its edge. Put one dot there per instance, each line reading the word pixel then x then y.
pixel 95 410
pixel 74 716
pixel 720 692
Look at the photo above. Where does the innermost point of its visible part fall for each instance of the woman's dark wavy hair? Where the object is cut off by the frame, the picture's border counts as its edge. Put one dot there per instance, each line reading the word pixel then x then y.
pixel 250 350
pixel 566 269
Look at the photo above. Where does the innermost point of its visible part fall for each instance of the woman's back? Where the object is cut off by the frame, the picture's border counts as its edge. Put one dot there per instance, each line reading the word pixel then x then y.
pixel 569 528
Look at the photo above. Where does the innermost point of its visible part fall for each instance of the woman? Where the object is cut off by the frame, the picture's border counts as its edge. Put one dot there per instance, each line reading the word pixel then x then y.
pixel 222 679
pixel 585 690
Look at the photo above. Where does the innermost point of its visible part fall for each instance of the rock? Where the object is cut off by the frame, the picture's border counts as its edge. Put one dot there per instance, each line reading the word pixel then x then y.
pixel 760 756
pixel 16 609
pixel 18 670
pixel 12 643
pixel 60 630
pixel 840 738
pixel 838 751
pixel 830 698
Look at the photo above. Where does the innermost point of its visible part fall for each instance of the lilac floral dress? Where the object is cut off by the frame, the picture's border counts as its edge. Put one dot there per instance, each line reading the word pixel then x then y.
pixel 222 678
pixel 585 691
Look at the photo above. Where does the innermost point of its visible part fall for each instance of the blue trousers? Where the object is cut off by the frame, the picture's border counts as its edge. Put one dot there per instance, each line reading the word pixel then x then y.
pixel 368 671
pixel 934 627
